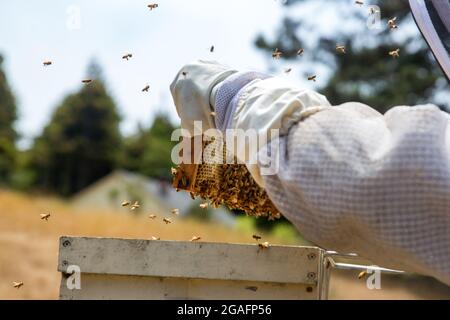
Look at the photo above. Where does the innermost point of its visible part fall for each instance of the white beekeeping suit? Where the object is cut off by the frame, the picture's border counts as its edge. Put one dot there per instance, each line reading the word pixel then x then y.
pixel 349 178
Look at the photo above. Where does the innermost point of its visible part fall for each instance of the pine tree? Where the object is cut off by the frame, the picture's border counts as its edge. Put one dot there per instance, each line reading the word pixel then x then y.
pixel 8 135
pixel 82 141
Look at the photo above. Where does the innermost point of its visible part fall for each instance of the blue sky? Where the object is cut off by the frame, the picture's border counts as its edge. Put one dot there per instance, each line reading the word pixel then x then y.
pixel 161 41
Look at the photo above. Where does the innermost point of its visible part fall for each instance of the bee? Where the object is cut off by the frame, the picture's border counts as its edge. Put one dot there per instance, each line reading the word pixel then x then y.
pixel 167 220
pixel 195 238
pixel 135 205
pixel 300 52
pixel 312 78
pixel 264 245
pixel 211 49
pixel 86 81
pixel 213 114
pixel 175 211
pixel 256 237
pixel 184 73
pixel 204 205
pixel 156 238
pixel 288 70
pixel 152 6
pixel 395 53
pixel 276 54
pixel 127 56
pixel 362 274
pixel 152 216
pixel 146 88
pixel 45 216
pixel 340 49
pixel 359 2
pixel 17 284
pixel 251 288
pixel 392 24
pixel 125 203
pixel 47 63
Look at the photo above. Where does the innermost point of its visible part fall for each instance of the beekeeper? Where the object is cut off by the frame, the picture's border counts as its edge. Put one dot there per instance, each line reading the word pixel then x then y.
pixel 349 178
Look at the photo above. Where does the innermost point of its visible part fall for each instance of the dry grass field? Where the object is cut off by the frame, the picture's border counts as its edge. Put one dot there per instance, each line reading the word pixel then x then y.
pixel 29 247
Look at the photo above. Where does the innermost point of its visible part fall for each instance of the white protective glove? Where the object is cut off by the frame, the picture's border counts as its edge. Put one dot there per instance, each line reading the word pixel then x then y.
pixel 192 92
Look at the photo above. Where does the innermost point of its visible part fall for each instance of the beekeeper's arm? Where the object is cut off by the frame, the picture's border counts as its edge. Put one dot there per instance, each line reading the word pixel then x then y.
pixel 349 178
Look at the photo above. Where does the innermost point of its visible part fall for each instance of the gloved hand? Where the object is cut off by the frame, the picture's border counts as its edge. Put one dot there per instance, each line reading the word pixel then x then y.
pixel 193 93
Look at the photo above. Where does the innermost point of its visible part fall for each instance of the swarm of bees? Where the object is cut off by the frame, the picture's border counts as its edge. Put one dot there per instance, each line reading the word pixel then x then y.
pixel 341 49
pixel 127 56
pixel 391 23
pixel 45 216
pixel 152 6
pixel 277 54
pixel 47 63
pixel 17 285
pixel 195 238
pixel 395 53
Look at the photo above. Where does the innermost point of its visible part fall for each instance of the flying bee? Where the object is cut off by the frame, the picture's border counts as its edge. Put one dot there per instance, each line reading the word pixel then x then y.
pixel 204 205
pixel 340 49
pixel 127 56
pixel 173 171
pixel 276 54
pixel 312 78
pixel 195 238
pixel 288 70
pixel 47 63
pixel 184 73
pixel 211 49
pixel 395 53
pixel 264 245
pixel 86 81
pixel 359 2
pixel 152 6
pixel 362 274
pixel 125 203
pixel 392 24
pixel 135 205
pixel 252 288
pixel 146 88
pixel 152 216
pixel 213 114
pixel 17 284
pixel 167 220
pixel 156 238
pixel 256 237
pixel 300 52
pixel 45 216
pixel 175 211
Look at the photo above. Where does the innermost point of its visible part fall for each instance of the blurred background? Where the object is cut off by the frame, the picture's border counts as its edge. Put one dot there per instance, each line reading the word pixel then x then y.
pixel 78 150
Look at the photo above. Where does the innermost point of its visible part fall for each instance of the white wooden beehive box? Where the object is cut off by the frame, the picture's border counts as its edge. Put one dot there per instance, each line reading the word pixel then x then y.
pixel 148 269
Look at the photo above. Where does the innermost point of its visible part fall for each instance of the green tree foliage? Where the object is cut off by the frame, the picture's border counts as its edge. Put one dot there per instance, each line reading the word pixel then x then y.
pixel 366 73
pixel 8 136
pixel 82 142
pixel 149 151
